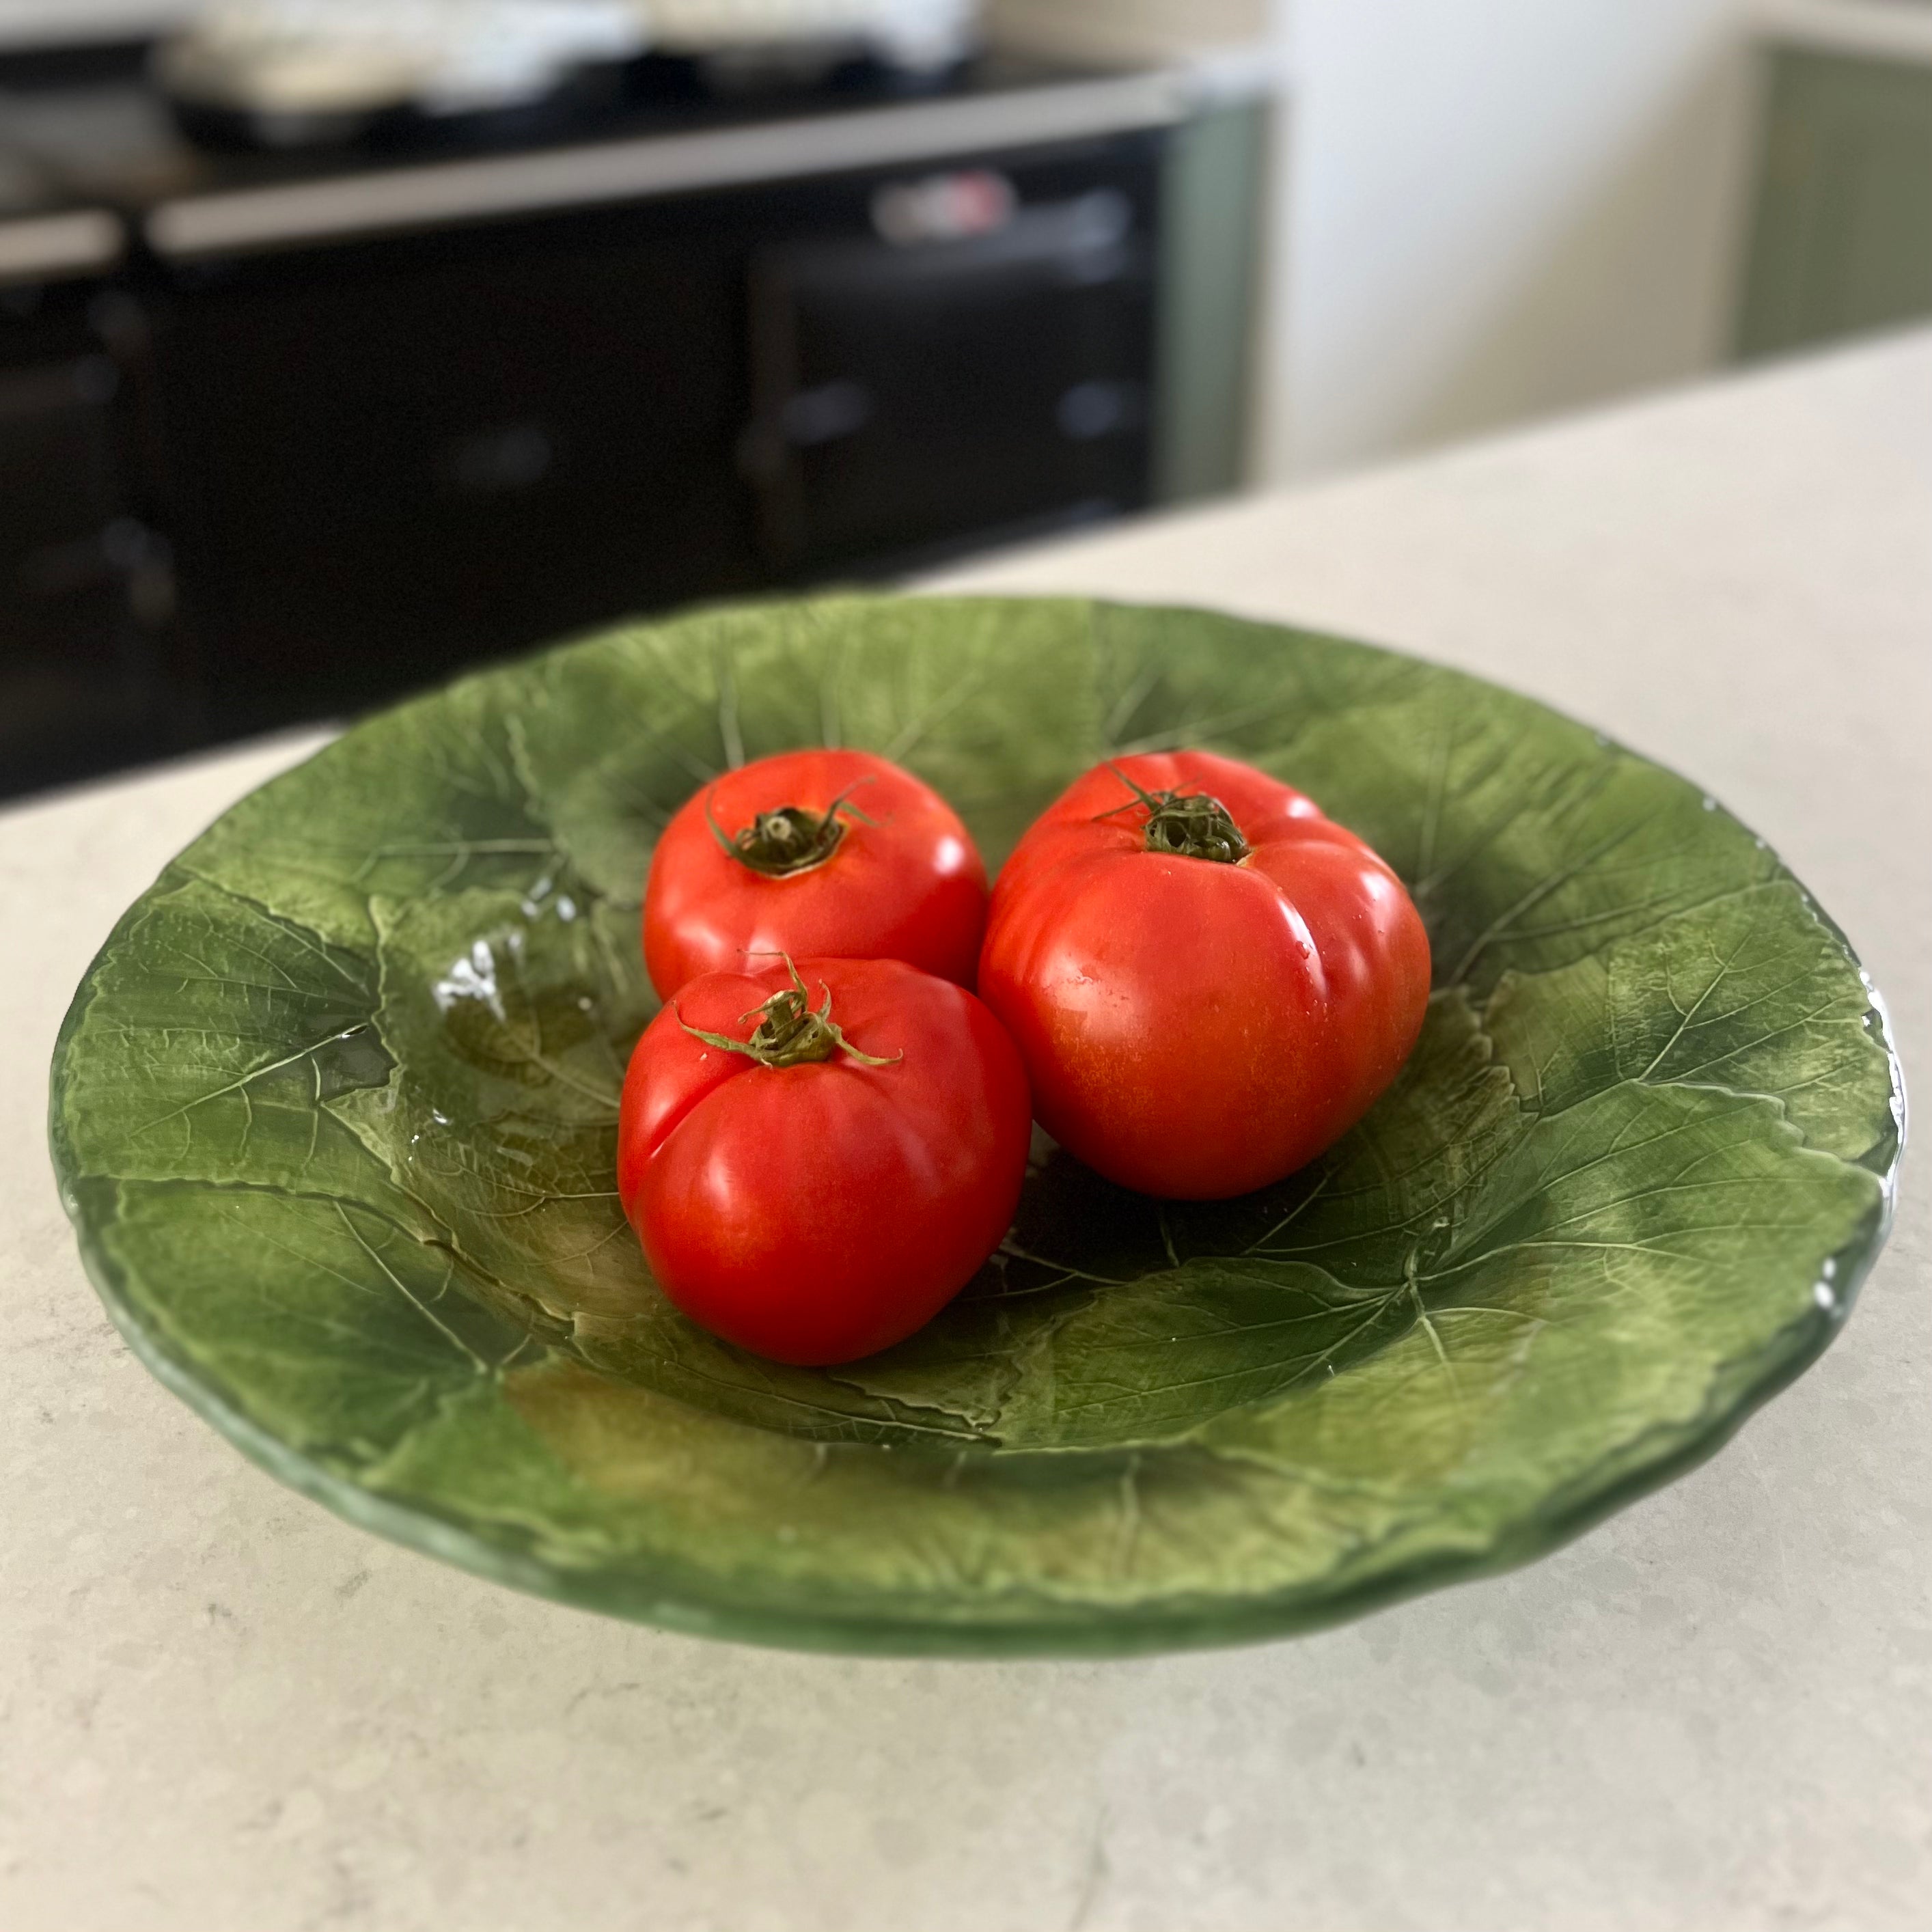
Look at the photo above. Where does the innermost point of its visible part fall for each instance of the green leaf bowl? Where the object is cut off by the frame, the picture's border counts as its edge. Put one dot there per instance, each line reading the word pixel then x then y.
pixel 334 1114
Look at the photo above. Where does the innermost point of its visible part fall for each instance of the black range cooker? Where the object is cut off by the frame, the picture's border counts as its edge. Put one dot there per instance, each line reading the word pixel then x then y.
pixel 283 435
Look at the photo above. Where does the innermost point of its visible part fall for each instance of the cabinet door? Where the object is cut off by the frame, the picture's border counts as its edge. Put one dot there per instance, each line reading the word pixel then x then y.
pixel 1842 239
pixel 1213 192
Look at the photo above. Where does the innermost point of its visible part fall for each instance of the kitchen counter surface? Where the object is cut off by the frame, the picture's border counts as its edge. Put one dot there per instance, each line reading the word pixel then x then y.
pixel 224 1709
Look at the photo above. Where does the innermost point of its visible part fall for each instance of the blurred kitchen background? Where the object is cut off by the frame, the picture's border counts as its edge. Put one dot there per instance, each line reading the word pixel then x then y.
pixel 345 342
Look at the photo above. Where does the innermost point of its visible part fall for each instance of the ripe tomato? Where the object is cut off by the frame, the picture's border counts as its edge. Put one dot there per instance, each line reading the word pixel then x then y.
pixel 817 1186
pixel 1209 982
pixel 814 854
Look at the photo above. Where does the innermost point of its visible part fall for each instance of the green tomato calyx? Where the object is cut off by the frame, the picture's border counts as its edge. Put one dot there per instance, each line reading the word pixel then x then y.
pixel 792 838
pixel 1191 824
pixel 789 1032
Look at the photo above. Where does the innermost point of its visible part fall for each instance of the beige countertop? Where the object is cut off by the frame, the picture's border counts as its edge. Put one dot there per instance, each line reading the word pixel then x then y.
pixel 222 1709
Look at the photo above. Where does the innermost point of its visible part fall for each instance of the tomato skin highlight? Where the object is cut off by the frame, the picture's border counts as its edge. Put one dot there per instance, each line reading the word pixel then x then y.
pixel 910 885
pixel 1193 1029
pixel 818 1213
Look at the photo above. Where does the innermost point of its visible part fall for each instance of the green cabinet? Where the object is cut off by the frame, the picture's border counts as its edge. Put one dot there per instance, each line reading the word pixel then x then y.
pixel 1841 239
pixel 1214 199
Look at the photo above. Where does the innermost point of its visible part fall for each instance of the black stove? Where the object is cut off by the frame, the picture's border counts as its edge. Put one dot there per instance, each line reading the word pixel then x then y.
pixel 285 434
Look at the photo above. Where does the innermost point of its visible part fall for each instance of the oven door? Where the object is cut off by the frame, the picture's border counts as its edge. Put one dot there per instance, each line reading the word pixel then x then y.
pixel 391 460
pixel 915 389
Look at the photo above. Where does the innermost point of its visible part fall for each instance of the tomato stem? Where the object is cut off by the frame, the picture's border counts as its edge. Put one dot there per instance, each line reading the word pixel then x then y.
pixel 1189 824
pixel 792 838
pixel 789 1033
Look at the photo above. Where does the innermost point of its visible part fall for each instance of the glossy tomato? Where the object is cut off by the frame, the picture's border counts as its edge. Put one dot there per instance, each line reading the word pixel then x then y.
pixel 814 854
pixel 1209 981
pixel 817 1161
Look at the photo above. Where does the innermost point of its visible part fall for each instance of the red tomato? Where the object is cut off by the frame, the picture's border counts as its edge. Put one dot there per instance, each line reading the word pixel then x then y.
pixel 821 1195
pixel 1209 982
pixel 814 854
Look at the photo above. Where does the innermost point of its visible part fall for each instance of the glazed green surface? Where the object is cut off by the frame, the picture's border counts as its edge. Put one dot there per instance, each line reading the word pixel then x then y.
pixel 335 1114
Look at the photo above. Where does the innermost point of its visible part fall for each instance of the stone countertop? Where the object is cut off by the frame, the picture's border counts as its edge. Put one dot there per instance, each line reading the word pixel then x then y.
pixel 224 1710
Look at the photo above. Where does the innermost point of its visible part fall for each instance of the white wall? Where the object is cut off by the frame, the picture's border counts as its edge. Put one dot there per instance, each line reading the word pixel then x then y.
pixel 1496 208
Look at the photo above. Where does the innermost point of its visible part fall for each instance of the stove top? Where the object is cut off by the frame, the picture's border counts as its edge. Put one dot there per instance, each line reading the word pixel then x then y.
pixel 106 136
